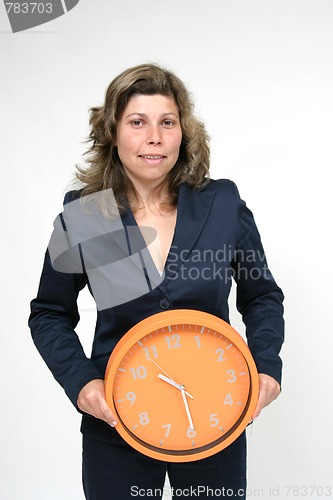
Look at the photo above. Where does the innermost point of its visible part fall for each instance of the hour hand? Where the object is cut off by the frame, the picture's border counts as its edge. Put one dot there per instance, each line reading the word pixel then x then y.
pixel 174 384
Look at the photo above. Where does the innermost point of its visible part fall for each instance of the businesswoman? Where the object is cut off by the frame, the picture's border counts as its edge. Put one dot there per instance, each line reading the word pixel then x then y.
pixel 151 151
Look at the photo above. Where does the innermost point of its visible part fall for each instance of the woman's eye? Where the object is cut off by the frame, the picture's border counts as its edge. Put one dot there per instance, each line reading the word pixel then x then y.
pixel 136 123
pixel 168 123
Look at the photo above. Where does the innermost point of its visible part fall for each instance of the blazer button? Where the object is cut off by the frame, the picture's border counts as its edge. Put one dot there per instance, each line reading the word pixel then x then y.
pixel 164 303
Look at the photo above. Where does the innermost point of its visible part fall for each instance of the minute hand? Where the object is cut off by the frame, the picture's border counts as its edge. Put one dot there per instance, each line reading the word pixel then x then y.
pixel 174 384
pixel 187 409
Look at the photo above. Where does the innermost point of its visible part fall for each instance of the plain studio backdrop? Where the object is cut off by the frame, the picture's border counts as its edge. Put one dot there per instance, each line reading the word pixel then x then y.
pixel 261 75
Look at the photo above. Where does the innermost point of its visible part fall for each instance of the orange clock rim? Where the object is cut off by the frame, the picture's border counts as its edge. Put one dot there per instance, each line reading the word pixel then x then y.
pixel 173 317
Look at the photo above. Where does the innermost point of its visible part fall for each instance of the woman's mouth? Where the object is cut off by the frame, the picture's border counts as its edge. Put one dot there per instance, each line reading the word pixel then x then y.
pixel 152 157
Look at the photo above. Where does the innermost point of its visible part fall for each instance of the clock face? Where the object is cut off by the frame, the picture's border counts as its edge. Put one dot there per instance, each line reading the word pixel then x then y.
pixel 183 385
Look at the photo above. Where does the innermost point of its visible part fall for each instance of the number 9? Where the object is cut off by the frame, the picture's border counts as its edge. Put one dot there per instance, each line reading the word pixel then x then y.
pixel 131 397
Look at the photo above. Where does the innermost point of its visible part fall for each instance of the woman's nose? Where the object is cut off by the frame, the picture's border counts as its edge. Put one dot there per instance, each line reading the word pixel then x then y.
pixel 154 135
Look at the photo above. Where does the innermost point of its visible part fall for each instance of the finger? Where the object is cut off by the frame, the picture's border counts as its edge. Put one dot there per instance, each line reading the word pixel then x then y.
pixel 272 390
pixel 106 413
pixel 261 403
pixel 269 391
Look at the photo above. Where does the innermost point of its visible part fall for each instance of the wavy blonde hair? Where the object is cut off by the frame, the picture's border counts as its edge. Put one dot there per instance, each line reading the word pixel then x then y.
pixel 105 169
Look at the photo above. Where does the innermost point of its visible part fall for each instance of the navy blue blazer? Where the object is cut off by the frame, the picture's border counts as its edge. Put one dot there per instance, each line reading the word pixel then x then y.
pixel 216 241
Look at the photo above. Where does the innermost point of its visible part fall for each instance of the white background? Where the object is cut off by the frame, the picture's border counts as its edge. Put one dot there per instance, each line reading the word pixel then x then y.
pixel 261 73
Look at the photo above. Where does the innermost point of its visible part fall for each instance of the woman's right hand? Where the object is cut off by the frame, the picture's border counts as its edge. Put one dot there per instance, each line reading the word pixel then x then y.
pixel 91 400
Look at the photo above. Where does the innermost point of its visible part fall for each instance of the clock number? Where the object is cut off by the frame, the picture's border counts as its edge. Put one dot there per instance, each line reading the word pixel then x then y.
pixel 146 350
pixel 131 397
pixel 173 341
pixel 214 421
pixel 191 433
pixel 228 400
pixel 168 428
pixel 232 376
pixel 220 352
pixel 139 372
pixel 198 341
pixel 144 420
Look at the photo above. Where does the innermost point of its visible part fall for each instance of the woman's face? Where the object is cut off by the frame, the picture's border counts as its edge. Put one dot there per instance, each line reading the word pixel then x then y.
pixel 149 136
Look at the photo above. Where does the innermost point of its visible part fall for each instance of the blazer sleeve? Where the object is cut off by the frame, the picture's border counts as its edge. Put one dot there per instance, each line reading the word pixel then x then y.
pixel 259 299
pixel 53 318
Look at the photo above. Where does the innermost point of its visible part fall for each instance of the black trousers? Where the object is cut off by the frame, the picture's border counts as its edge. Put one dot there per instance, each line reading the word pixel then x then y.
pixel 114 471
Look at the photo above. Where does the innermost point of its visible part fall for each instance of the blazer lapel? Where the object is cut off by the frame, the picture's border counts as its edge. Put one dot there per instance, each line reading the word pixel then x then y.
pixel 137 244
pixel 193 210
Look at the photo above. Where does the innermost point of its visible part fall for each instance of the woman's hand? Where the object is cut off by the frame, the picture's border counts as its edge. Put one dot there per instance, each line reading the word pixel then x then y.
pixel 269 389
pixel 91 400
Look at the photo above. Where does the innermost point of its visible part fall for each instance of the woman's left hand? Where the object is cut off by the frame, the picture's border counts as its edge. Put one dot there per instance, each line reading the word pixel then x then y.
pixel 269 390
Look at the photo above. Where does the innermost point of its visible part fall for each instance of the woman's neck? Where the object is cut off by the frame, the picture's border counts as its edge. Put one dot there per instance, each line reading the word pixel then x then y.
pixel 155 198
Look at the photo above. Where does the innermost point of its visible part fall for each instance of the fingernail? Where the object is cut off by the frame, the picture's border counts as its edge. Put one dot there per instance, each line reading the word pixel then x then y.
pixel 113 424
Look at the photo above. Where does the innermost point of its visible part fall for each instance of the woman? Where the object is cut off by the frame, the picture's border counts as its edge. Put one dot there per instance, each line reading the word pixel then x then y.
pixel 148 147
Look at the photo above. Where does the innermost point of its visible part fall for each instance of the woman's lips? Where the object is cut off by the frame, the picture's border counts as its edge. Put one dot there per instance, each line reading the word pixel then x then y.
pixel 152 158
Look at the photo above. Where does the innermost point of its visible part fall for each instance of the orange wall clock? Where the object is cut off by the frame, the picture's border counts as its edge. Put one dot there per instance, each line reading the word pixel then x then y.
pixel 183 385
